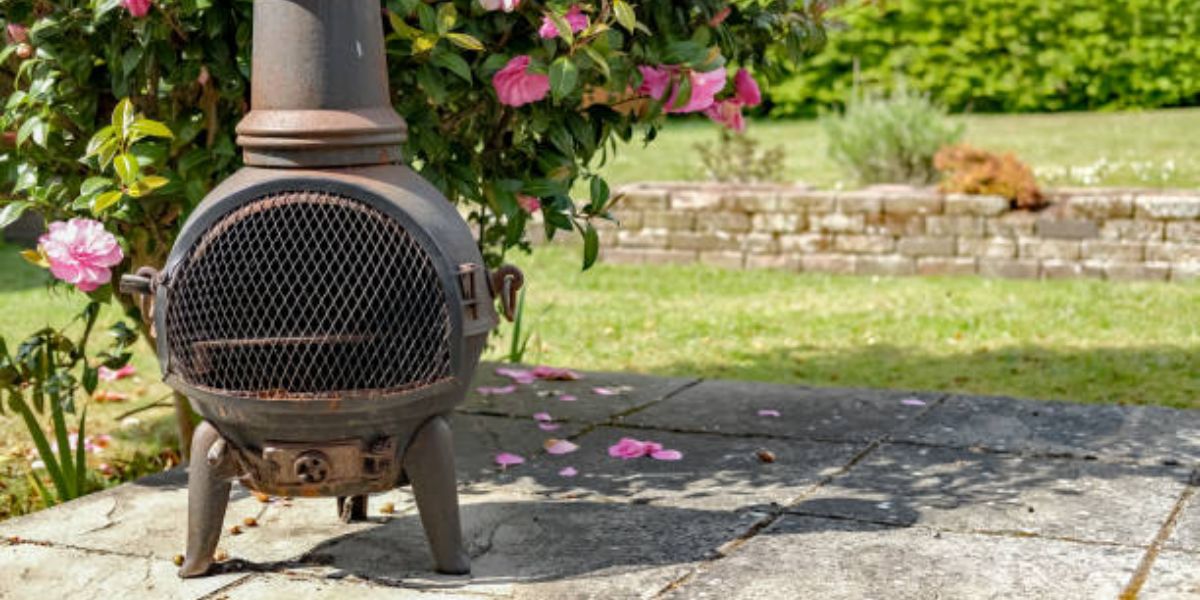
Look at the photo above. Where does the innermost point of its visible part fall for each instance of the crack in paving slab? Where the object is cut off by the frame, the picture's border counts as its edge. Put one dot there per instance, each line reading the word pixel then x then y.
pixel 1143 572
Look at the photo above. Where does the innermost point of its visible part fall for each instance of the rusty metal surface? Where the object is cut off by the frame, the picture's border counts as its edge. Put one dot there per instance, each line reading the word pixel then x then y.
pixel 307 294
pixel 319 95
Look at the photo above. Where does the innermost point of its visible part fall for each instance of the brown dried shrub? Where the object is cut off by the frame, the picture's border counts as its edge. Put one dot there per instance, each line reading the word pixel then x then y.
pixel 968 170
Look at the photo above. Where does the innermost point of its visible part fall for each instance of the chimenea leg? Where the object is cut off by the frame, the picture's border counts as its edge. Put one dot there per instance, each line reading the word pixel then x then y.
pixel 209 471
pixel 352 508
pixel 429 463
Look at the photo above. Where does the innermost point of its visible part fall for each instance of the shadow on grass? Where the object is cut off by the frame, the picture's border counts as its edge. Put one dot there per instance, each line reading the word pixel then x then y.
pixel 15 273
pixel 1155 375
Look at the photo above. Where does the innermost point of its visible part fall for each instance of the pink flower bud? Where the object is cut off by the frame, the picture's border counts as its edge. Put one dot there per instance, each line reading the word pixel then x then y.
pixel 17 33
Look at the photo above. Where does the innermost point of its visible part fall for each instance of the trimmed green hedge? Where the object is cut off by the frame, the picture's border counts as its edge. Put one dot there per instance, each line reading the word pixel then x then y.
pixel 1011 55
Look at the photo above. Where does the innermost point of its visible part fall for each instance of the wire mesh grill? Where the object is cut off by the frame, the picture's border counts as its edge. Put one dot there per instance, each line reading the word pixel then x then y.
pixel 306 293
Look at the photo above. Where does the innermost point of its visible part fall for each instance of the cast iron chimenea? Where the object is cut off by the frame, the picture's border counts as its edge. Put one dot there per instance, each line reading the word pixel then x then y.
pixel 324 308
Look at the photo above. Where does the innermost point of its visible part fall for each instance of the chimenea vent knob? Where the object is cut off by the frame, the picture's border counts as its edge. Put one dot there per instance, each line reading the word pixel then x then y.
pixel 311 467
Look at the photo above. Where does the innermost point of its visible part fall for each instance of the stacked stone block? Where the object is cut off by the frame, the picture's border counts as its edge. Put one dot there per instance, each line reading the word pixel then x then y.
pixel 898 230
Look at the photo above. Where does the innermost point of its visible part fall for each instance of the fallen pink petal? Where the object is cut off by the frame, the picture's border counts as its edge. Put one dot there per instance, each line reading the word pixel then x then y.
pixel 555 373
pixel 769 412
pixel 107 374
pixel 542 416
pixel 497 391
pixel 568 472
pixel 912 402
pixel 604 391
pixel 555 446
pixel 521 376
pixel 567 397
pixel 548 426
pixel 666 455
pixel 508 459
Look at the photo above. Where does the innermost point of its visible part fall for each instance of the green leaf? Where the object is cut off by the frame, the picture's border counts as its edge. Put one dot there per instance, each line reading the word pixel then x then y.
pixel 454 63
pixel 91 185
pixel 154 181
pixel 563 27
pixel 598 60
pixel 403 29
pixel 424 43
pixel 463 40
pixel 127 168
pixel 427 17
pixel 122 117
pixel 148 128
pixel 625 15
pixel 101 137
pixel 105 200
pixel 591 246
pixel 13 211
pixel 28 129
pixel 80 457
pixel 447 17
pixel 564 76
pixel 600 193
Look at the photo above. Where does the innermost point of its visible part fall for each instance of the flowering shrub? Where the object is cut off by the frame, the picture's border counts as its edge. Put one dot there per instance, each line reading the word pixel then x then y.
pixel 119 115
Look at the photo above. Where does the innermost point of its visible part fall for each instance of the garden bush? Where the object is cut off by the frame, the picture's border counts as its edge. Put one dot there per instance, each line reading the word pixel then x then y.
pixel 889 138
pixel 119 117
pixel 1009 55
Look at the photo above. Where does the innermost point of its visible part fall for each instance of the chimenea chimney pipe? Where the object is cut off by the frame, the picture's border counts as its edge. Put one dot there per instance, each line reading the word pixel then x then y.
pixel 319 87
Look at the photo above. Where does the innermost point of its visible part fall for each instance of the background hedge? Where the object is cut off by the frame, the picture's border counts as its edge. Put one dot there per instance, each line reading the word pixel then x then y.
pixel 1011 55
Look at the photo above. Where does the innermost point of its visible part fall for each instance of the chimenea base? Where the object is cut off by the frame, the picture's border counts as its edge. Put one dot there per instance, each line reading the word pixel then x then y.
pixel 427 463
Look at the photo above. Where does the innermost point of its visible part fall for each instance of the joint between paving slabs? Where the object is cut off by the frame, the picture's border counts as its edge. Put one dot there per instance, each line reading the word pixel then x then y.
pixel 1142 574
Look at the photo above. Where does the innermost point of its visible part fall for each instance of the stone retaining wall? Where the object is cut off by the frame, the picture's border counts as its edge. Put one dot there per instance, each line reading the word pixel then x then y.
pixel 898 230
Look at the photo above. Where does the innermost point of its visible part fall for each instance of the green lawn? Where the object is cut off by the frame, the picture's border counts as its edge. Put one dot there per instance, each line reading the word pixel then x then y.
pixel 1085 341
pixel 1152 148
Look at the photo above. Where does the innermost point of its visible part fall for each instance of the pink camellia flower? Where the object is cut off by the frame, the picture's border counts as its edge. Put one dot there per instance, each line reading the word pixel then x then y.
pixel 107 374
pixel 728 113
pixel 574 17
pixel 81 252
pixel 516 86
pixel 655 81
pixel 529 203
pixel 504 5
pixel 746 89
pixel 137 8
pixel 705 87
pixel 17 33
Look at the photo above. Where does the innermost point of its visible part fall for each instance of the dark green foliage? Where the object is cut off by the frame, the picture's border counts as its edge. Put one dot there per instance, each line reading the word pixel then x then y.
pixel 1010 55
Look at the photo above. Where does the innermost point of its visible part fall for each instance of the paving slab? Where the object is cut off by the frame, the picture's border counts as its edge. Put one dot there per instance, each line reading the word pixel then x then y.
pixel 528 546
pixel 732 407
pixel 626 391
pixel 1132 432
pixel 44 572
pixel 716 471
pixel 267 586
pixel 969 491
pixel 1174 576
pixel 805 557
pixel 1187 530
pixel 151 521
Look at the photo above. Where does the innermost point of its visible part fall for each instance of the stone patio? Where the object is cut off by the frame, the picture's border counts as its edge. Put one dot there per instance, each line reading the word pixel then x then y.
pixel 872 494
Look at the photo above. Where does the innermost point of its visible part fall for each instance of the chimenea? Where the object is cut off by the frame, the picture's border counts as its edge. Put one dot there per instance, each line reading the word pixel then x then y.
pixel 324 308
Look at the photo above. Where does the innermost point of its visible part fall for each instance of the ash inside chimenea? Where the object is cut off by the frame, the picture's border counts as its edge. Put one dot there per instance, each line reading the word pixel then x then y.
pixel 324 308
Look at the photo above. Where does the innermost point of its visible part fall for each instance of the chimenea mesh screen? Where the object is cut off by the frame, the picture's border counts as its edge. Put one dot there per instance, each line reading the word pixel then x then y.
pixel 306 293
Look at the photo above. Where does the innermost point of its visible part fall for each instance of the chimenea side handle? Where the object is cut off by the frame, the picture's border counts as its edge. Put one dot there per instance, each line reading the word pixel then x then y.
pixel 506 282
